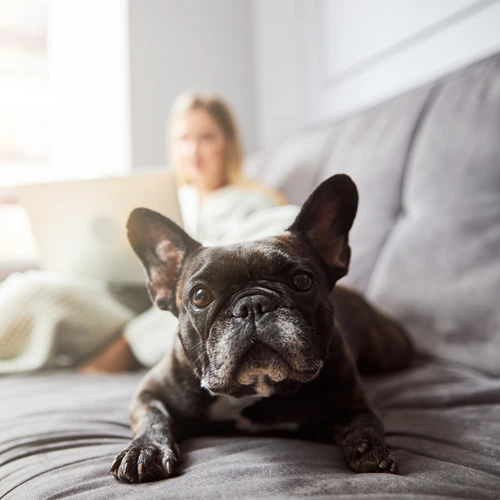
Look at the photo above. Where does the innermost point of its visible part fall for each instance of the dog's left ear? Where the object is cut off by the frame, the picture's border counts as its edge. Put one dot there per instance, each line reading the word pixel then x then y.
pixel 325 220
pixel 162 247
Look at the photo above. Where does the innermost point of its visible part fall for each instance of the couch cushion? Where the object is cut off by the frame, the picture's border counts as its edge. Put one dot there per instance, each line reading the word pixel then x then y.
pixel 59 433
pixel 439 270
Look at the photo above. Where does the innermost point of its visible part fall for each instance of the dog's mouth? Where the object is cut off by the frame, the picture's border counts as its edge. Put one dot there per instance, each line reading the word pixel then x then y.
pixel 263 358
pixel 262 371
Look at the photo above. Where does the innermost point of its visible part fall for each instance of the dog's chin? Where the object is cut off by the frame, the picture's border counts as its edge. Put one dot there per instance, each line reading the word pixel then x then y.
pixel 262 386
pixel 262 373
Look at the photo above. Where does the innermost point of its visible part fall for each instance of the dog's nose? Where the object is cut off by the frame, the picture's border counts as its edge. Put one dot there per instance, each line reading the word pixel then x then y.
pixel 254 305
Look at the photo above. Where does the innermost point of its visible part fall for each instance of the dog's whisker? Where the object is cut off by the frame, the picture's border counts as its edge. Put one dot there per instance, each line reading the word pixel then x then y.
pixel 191 365
pixel 192 348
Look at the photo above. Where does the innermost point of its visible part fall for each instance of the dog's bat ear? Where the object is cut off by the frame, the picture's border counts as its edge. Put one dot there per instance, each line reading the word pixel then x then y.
pixel 325 220
pixel 162 246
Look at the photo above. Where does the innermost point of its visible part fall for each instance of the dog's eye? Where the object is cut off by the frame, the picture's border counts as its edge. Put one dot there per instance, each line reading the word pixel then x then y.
pixel 201 297
pixel 302 282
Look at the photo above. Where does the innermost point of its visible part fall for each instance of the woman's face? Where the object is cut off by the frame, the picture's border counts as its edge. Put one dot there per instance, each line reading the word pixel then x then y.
pixel 199 146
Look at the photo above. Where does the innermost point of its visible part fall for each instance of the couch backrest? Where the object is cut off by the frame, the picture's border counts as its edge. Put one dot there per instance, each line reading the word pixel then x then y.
pixel 426 241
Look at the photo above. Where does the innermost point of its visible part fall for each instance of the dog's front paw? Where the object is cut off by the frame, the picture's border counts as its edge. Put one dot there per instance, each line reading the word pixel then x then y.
pixel 365 451
pixel 144 461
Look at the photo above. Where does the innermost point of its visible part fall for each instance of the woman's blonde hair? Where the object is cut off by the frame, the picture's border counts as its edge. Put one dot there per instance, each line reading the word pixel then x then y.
pixel 222 115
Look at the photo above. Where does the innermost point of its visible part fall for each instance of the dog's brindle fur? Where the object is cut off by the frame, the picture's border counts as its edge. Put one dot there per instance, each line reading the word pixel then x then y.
pixel 263 355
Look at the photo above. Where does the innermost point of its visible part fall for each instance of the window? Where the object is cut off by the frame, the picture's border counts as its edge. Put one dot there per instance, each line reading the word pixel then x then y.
pixel 24 89
pixel 64 101
pixel 64 95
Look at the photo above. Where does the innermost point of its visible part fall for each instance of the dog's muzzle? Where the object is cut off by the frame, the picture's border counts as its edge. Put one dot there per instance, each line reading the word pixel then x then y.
pixel 261 345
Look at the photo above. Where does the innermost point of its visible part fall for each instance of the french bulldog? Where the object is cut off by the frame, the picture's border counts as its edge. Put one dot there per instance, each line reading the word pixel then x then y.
pixel 259 347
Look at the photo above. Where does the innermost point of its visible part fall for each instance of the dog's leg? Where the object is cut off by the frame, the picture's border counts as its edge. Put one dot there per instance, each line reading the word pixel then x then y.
pixel 153 454
pixel 356 426
pixel 168 403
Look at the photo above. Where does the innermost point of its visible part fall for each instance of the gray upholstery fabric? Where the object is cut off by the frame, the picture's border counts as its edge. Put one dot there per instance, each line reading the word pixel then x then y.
pixel 426 241
pixel 440 269
pixel 426 248
pixel 60 432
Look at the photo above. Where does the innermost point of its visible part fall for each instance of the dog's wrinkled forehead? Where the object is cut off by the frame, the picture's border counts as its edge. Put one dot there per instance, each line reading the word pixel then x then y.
pixel 264 259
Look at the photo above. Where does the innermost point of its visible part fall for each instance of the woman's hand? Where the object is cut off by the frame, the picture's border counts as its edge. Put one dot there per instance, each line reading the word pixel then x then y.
pixel 116 357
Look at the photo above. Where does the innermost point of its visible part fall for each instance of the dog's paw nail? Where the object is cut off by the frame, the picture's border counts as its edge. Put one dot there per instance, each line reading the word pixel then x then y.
pixel 383 464
pixel 116 463
pixel 170 467
pixel 169 464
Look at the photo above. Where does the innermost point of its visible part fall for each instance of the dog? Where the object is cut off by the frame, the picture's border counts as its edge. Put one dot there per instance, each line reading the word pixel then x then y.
pixel 259 348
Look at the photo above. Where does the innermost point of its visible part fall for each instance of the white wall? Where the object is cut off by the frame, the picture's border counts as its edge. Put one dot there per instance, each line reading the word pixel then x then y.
pixel 187 44
pixel 278 66
pixel 321 59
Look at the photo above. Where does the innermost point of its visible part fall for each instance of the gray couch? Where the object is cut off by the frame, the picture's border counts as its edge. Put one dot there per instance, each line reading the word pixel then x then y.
pixel 426 249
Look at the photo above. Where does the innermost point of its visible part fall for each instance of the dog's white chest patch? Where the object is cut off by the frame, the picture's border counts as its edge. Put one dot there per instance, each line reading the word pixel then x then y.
pixel 228 408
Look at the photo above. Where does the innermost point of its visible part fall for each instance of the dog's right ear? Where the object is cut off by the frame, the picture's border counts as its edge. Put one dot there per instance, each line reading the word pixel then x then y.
pixel 325 220
pixel 162 247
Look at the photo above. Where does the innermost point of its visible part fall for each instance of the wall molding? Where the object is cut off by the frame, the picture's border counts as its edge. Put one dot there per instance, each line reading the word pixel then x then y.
pixel 395 49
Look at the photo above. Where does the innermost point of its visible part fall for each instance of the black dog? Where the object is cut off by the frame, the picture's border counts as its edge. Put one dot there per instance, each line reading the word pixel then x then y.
pixel 256 325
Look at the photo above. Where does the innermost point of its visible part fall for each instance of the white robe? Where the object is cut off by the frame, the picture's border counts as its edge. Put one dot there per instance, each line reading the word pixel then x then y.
pixel 49 319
